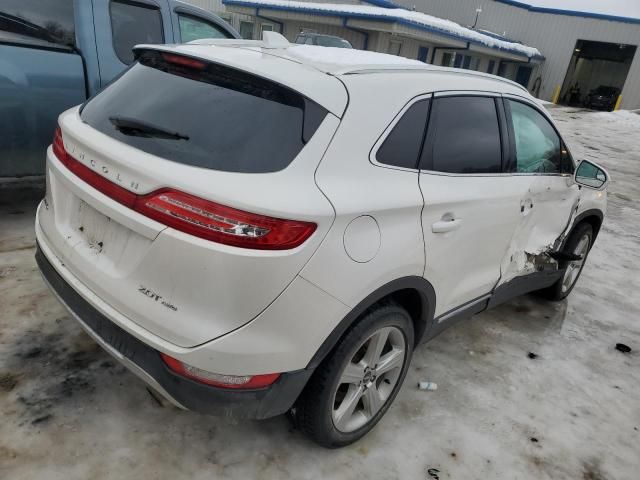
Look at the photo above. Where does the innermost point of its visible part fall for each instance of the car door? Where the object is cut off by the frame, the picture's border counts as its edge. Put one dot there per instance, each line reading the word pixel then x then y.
pixel 122 24
pixel 541 159
pixel 189 24
pixel 471 207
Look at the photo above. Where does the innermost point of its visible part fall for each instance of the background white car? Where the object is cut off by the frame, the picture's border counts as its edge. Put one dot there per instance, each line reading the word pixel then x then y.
pixel 254 227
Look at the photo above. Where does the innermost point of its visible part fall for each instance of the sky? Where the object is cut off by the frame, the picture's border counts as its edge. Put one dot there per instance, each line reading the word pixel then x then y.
pixel 620 8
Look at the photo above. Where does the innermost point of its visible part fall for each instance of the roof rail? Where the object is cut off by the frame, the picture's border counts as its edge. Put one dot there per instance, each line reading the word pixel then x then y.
pixel 427 68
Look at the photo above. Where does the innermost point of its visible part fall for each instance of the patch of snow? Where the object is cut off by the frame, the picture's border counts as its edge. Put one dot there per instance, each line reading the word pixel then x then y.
pixel 347 56
pixel 617 8
pixel 447 27
pixel 623 117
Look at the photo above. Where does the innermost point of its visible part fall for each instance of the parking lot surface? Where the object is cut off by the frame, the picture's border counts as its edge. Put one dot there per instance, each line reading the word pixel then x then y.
pixel 530 390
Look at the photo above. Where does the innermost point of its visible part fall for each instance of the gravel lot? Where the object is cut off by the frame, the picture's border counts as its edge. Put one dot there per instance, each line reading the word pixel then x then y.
pixel 70 412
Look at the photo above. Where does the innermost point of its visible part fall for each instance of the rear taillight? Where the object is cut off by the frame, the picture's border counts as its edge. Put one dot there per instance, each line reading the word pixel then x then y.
pixel 217 379
pixel 222 224
pixel 194 215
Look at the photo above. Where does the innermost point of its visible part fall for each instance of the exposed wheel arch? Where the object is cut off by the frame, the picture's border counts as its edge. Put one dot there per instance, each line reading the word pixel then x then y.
pixel 413 293
pixel 594 217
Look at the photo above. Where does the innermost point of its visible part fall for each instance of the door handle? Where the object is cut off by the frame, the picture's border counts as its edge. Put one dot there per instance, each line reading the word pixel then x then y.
pixel 446 225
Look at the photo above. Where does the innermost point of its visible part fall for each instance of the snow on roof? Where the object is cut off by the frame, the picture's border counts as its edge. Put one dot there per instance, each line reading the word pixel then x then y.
pixel 606 9
pixel 412 18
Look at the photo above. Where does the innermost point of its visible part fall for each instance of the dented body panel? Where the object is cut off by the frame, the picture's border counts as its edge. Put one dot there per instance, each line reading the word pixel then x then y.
pixel 547 209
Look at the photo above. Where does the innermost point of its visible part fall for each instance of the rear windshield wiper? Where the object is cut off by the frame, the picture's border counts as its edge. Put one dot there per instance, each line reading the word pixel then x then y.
pixel 139 128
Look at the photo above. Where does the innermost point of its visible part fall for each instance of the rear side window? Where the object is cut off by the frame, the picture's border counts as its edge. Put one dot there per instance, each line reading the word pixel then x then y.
pixel 464 136
pixel 38 21
pixel 133 23
pixel 205 115
pixel 537 145
pixel 402 146
pixel 193 28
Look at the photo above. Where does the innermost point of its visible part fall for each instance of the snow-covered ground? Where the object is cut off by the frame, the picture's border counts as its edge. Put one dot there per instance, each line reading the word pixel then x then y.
pixel 70 412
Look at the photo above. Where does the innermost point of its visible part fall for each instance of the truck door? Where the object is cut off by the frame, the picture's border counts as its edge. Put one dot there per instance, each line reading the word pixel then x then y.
pixel 122 24
pixel 41 75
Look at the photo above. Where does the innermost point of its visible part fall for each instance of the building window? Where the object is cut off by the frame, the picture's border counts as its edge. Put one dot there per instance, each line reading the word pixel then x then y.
pixel 491 67
pixel 246 30
pixel 266 27
pixel 447 59
pixel 423 53
pixel 395 47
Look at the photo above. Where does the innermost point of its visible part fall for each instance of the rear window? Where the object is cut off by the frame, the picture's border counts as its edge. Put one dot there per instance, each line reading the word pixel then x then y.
pixel 210 116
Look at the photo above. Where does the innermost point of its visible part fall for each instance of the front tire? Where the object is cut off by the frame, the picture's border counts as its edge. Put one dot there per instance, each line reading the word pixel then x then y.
pixel 353 388
pixel 579 243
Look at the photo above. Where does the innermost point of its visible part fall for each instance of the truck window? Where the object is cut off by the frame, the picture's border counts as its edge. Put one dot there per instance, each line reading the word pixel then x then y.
pixel 193 28
pixel 133 23
pixel 40 22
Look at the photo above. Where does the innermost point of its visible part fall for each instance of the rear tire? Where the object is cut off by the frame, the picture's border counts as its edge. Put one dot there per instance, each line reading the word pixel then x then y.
pixel 579 243
pixel 355 385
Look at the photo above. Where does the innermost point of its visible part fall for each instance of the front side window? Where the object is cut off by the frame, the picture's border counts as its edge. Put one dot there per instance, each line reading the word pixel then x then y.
pixel 538 148
pixel 402 146
pixel 38 21
pixel 193 28
pixel 464 136
pixel 134 23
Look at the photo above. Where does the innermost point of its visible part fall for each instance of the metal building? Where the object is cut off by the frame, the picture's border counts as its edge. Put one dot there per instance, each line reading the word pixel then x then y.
pixel 578 51
pixel 586 46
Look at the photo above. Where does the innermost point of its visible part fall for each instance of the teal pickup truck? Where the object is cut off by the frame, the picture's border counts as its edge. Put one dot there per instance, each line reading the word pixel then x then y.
pixel 56 53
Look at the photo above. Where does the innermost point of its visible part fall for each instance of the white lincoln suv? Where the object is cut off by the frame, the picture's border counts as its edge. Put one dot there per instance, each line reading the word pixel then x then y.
pixel 255 228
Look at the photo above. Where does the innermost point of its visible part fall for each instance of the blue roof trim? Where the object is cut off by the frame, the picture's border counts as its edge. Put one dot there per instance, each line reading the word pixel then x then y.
pixel 382 18
pixel 570 13
pixel 383 4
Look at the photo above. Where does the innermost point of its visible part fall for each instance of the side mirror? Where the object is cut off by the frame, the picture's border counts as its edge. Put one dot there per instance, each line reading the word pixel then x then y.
pixel 591 175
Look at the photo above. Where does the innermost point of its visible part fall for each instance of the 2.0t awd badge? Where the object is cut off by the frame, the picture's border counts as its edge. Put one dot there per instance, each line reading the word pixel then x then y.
pixel 156 297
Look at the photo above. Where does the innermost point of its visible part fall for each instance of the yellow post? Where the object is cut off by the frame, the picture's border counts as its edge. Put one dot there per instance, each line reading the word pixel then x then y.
pixel 618 102
pixel 556 94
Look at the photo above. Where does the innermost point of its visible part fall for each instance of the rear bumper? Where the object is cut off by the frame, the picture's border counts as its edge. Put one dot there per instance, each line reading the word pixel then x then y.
pixel 145 362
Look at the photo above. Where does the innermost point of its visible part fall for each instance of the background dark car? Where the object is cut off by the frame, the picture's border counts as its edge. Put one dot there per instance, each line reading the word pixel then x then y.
pixel 322 40
pixel 602 97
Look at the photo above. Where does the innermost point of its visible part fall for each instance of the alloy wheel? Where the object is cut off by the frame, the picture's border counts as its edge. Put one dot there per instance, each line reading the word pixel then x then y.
pixel 368 379
pixel 574 267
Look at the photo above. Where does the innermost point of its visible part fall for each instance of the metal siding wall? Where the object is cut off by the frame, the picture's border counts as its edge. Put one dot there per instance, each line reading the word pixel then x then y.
pixel 554 35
